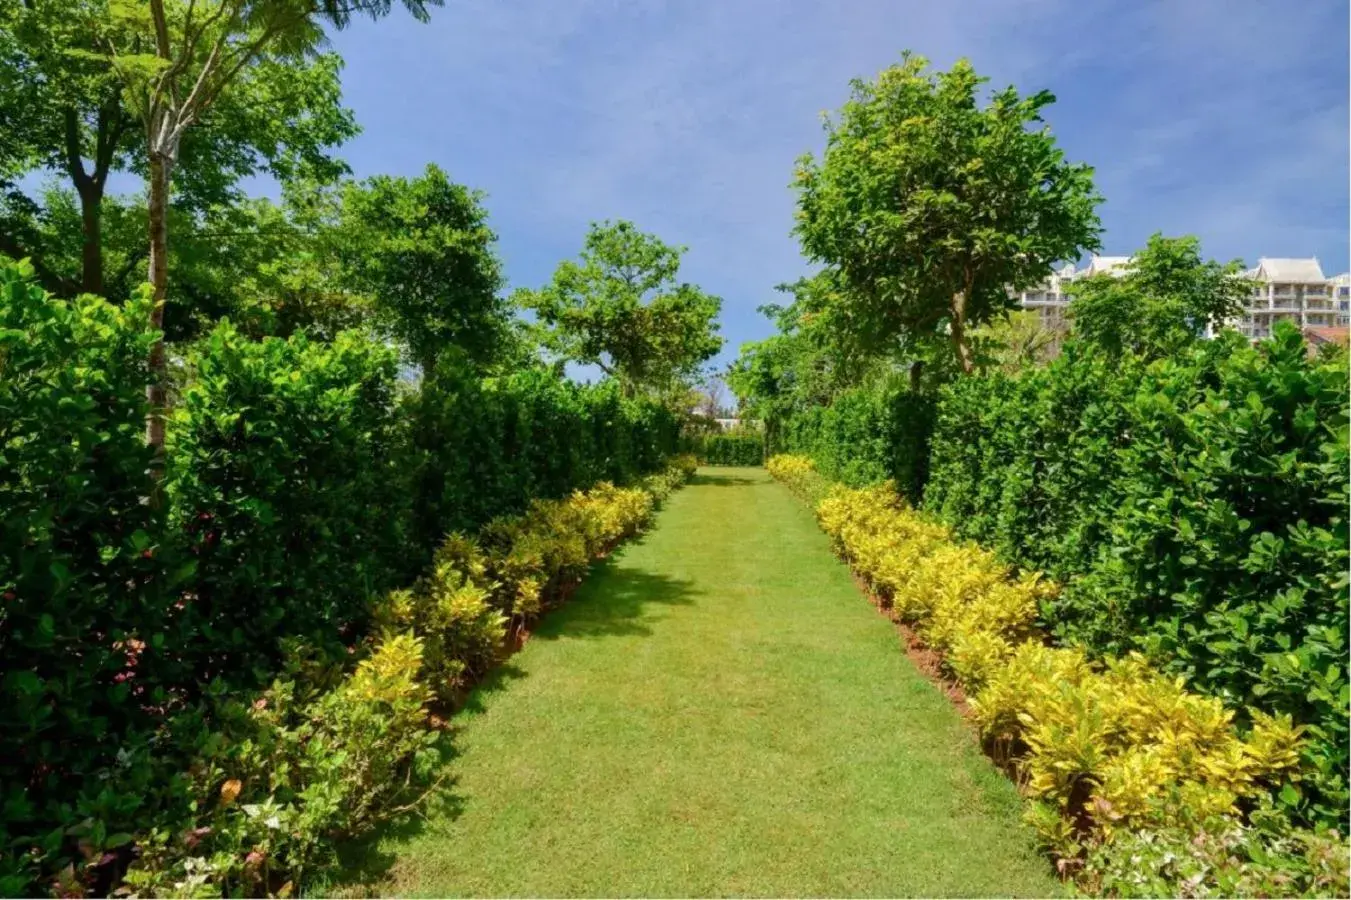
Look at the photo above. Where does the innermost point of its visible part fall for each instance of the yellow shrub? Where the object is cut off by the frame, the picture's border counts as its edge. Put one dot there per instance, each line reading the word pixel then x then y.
pixel 1126 741
pixel 797 472
pixel 531 555
pixel 1102 746
pixel 450 611
pixel 390 674
pixel 973 655
pixel 611 514
pixel 685 463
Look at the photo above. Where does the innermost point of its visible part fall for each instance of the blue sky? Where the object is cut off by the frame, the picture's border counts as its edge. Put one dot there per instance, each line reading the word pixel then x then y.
pixel 1228 120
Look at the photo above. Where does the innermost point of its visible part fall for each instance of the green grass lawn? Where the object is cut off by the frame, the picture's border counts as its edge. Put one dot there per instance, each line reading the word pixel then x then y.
pixel 716 711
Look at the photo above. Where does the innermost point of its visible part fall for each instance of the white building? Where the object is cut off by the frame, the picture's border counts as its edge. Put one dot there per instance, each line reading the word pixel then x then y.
pixel 1049 298
pixel 1293 289
pixel 1341 297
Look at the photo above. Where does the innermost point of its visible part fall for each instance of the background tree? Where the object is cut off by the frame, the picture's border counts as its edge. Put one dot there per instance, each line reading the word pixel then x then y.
pixel 421 252
pixel 282 117
pixel 808 362
pixel 1016 341
pixel 709 397
pixel 621 308
pixel 177 59
pixel 931 206
pixel 1167 298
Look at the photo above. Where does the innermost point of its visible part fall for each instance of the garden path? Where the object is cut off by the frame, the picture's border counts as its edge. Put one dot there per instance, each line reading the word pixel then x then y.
pixel 717 711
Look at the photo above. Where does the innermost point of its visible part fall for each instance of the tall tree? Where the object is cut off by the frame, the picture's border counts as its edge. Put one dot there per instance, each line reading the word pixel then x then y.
pixel 931 206
pixel 61 96
pixel 65 106
pixel 621 308
pixel 421 252
pixel 1167 297
pixel 196 52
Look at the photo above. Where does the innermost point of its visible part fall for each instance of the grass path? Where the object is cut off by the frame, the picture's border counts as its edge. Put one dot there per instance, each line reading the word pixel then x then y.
pixel 717 711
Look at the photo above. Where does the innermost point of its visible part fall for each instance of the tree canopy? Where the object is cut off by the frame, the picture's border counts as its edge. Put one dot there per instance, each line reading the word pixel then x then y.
pixel 621 307
pixel 71 115
pixel 930 206
pixel 1166 298
pixel 421 251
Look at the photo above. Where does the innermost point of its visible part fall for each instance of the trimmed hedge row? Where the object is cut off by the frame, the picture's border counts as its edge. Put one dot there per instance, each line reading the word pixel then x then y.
pixel 486 447
pixel 732 450
pixel 299 487
pixel 1195 509
pixel 865 436
pixel 1106 751
pixel 327 751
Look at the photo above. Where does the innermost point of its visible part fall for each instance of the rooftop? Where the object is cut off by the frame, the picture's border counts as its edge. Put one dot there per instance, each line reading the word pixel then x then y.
pixel 1103 265
pixel 1295 271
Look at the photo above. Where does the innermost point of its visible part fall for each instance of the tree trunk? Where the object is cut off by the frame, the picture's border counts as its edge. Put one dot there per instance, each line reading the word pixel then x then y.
pixel 156 394
pixel 91 227
pixel 959 341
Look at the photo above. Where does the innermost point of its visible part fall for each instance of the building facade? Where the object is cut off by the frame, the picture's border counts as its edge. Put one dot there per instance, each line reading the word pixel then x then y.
pixel 1295 290
pixel 1341 297
pixel 1049 299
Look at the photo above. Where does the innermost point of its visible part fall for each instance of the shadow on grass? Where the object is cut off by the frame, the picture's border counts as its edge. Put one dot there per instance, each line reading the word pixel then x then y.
pixel 610 602
pixel 722 479
pixel 613 600
pixel 365 863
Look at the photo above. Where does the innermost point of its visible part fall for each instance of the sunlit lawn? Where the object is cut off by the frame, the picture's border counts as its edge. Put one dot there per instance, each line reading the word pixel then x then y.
pixel 716 711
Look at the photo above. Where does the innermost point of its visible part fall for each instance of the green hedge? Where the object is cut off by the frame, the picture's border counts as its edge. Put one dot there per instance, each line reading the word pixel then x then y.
pixel 485 448
pixel 79 576
pixel 287 486
pixel 867 435
pixel 1195 508
pixel 299 486
pixel 732 450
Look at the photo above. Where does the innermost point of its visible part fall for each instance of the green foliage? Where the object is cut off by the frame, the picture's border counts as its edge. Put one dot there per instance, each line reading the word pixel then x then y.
pixel 1196 508
pixel 422 251
pixel 1115 755
pixel 732 449
pixel 662 484
pixel 274 448
pixel 80 562
pixel 867 435
pixel 929 206
pixel 135 641
pixel 806 364
pixel 1224 857
pixel 450 608
pixel 621 308
pixel 487 447
pixel 1166 299
pixel 283 117
pixel 272 784
pixel 270 268
pixel 1016 342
